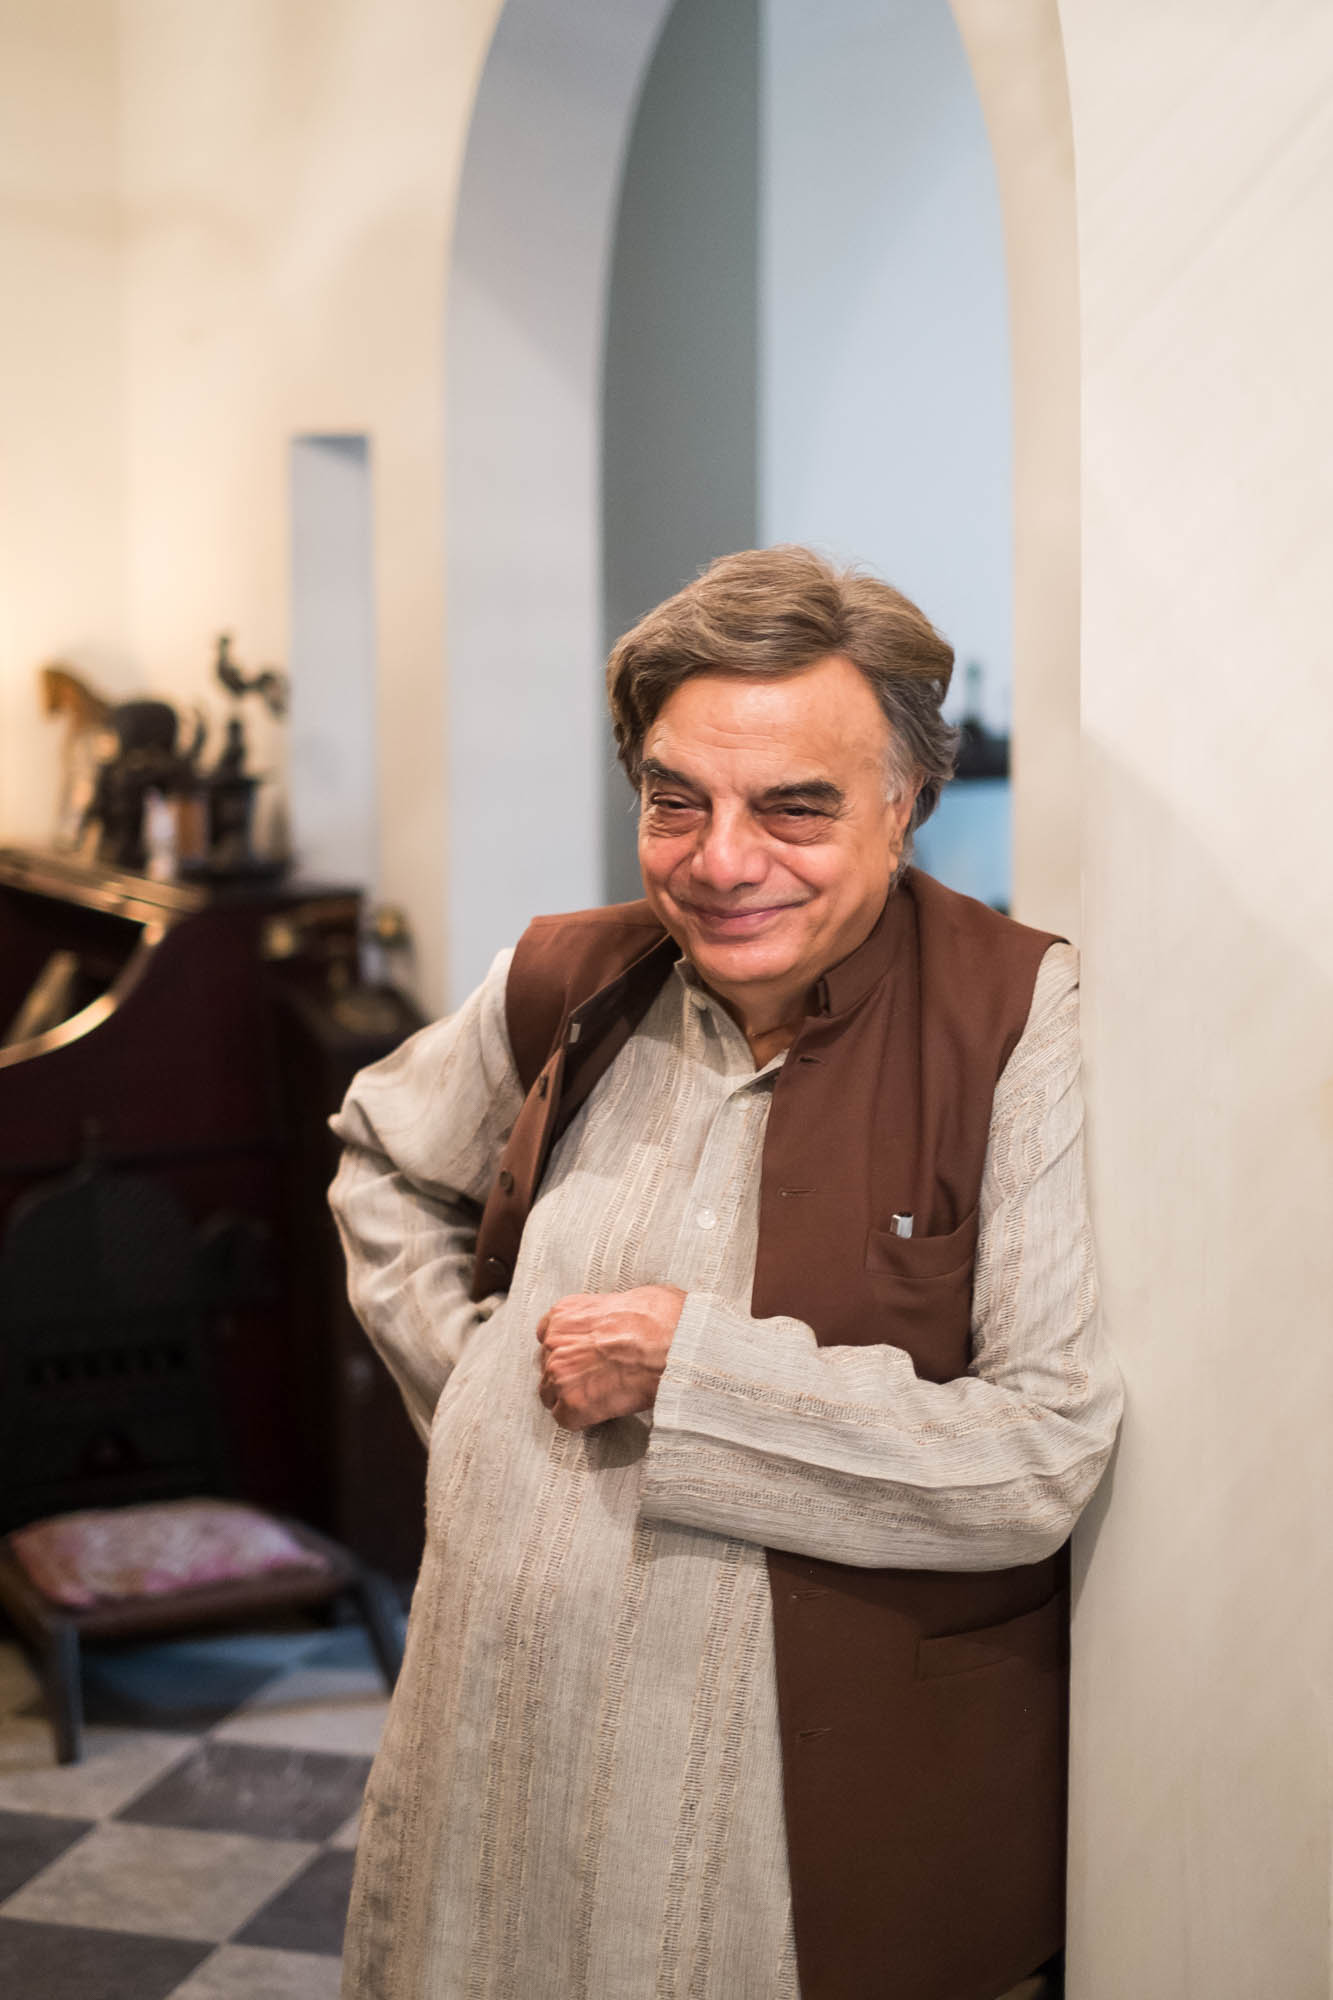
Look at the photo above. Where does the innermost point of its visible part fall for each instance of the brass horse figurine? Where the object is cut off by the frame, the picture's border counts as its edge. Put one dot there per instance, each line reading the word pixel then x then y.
pixel 105 741
pixel 88 738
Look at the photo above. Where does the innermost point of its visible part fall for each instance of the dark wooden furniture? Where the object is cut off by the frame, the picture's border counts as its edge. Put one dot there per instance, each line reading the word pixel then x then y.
pixel 203 1038
pixel 370 1466
pixel 55 1633
pixel 109 1304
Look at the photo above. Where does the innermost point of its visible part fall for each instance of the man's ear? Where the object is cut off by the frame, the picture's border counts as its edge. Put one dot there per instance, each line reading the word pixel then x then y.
pixel 902 809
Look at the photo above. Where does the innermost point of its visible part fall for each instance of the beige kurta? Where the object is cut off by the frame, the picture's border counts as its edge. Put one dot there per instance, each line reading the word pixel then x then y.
pixel 578 1796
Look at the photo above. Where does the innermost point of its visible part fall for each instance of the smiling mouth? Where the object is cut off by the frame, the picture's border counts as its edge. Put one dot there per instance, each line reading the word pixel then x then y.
pixel 736 921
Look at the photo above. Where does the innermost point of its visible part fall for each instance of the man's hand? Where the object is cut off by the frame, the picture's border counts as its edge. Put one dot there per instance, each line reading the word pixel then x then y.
pixel 603 1352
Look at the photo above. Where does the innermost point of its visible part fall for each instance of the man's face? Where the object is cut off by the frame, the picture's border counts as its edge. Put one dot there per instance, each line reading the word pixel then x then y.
pixel 766 840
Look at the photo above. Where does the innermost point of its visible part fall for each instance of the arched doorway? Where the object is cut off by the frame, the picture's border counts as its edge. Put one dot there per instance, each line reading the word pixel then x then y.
pixel 528 284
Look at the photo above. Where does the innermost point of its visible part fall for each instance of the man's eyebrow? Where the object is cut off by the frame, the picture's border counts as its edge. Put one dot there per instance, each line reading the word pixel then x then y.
pixel 806 791
pixel 650 768
pixel 801 791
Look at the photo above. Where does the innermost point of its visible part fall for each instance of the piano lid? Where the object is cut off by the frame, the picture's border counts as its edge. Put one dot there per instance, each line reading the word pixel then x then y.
pixel 97 887
pixel 84 947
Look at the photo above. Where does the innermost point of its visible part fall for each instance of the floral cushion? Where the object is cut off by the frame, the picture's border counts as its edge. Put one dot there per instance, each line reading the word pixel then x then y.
pixel 152 1550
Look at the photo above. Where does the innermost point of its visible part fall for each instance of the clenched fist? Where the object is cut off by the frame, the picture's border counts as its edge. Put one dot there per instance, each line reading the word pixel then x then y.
pixel 603 1352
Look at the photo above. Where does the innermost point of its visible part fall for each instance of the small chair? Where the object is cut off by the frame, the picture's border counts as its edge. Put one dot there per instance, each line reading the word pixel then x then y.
pixel 109 1447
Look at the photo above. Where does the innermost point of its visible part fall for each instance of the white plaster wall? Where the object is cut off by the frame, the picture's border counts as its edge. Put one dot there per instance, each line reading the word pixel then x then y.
pixel 289 178
pixel 1200 1864
pixel 61 388
pixel 227 226
pixel 884 383
pixel 1017 60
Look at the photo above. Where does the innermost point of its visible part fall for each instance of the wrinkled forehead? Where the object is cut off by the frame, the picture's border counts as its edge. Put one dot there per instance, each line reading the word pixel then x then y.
pixel 752 731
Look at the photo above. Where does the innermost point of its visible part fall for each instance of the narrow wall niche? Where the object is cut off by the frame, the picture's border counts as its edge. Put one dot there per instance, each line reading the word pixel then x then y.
pixel 333 750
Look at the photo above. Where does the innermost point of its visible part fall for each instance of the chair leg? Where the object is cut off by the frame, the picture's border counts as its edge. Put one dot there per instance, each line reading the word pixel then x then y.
pixel 64 1690
pixel 380 1614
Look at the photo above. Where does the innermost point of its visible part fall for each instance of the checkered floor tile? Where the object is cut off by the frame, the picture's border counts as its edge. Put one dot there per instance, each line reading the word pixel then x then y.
pixel 203 1849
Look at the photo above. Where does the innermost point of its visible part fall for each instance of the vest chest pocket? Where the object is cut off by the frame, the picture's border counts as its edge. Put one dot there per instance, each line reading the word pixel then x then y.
pixel 1038 1639
pixel 921 1289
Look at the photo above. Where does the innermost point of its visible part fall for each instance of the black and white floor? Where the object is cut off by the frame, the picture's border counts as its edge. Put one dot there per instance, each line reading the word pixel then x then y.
pixel 203 1849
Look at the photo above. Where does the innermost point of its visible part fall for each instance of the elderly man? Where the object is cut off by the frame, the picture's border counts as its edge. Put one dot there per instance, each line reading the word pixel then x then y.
pixel 730 1249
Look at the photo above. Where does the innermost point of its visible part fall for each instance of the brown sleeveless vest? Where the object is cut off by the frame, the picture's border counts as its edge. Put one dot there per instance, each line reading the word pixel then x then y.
pixel 923 1713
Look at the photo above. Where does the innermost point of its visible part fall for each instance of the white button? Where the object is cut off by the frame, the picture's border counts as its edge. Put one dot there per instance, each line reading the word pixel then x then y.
pixel 700 1000
pixel 706 1219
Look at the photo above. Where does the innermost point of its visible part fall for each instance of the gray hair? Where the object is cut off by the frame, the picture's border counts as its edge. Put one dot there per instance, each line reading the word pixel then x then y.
pixel 774 612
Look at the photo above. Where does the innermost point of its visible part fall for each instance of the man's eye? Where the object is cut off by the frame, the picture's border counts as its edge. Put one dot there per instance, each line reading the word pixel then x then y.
pixel 797 822
pixel 659 803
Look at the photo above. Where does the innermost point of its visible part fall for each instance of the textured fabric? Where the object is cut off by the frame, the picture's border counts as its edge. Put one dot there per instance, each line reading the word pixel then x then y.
pixel 901 1763
pixel 579 1791
pixel 154 1549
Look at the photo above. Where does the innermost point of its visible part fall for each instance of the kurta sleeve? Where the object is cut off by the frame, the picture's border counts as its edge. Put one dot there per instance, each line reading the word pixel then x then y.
pixel 842 1452
pixel 422 1135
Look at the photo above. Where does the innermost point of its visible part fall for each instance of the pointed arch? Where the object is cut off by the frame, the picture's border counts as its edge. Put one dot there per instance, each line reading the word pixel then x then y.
pixel 527 294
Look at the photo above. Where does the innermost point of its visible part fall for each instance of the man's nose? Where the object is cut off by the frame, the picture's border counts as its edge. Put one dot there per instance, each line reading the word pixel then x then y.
pixel 728 853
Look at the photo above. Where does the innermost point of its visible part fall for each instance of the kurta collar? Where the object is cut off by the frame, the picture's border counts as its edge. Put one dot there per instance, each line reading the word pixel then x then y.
pixel 849 982
pixel 837 991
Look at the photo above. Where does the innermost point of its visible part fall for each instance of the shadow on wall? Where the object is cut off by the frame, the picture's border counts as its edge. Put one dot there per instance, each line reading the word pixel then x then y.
pixel 680 378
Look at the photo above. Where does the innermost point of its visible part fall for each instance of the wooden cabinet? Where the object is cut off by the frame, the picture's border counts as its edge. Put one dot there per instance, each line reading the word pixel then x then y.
pixel 202 1037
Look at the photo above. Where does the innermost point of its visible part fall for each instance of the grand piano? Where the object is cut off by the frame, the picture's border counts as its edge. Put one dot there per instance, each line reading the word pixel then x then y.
pixel 199 1035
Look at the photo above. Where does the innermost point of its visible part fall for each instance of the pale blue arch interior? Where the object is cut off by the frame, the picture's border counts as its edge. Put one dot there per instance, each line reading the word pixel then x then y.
pixel 807 341
pixel 529 354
